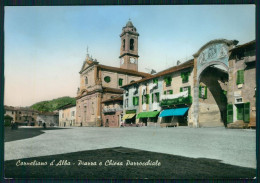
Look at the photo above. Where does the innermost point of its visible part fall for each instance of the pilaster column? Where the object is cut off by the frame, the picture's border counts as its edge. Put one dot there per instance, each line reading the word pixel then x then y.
pixel 195 95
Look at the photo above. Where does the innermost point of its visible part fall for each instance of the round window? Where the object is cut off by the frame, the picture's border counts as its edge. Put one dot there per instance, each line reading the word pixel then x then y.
pixel 107 79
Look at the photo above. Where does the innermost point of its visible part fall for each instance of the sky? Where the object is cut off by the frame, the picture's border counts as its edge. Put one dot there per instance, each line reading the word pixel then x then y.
pixel 45 46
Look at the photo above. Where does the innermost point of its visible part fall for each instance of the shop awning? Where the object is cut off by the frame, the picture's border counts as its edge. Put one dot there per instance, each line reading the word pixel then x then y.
pixel 174 112
pixel 128 116
pixel 150 114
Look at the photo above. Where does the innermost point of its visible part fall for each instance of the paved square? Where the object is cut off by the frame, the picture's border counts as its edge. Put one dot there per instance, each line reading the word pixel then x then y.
pixel 231 146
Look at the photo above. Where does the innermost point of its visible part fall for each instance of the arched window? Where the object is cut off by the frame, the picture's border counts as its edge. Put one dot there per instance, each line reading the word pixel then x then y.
pixel 124 44
pixel 86 80
pixel 132 81
pixel 131 44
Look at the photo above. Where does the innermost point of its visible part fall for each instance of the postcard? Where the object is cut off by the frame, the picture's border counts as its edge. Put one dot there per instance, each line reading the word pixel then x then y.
pixel 130 92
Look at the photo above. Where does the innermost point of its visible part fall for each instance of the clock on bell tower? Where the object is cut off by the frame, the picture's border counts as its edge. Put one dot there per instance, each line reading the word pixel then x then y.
pixel 129 47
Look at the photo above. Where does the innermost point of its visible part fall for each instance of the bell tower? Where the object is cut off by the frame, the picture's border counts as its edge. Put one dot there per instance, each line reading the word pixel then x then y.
pixel 129 47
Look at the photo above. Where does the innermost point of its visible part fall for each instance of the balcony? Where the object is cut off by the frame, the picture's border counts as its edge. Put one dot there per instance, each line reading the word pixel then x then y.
pixel 112 110
pixel 176 99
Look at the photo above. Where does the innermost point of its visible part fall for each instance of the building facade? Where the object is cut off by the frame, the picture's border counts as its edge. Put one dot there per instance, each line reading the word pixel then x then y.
pixel 47 118
pixel 242 89
pixel 215 88
pixel 149 102
pixel 100 82
pixel 22 115
pixel 112 111
pixel 67 116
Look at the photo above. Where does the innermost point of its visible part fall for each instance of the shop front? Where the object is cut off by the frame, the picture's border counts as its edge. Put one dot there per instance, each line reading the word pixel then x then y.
pixel 149 118
pixel 174 117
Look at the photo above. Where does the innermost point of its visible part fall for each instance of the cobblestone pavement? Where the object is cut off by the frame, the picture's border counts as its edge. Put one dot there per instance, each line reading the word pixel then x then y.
pixel 232 146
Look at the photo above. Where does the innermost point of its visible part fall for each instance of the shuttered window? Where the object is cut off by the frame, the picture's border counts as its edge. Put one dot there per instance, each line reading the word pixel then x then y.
pixel 120 81
pixel 230 113
pixel 155 80
pixel 168 81
pixel 203 92
pixel 157 96
pixel 185 89
pixel 135 101
pixel 147 98
pixel 247 112
pixel 240 77
pixel 185 76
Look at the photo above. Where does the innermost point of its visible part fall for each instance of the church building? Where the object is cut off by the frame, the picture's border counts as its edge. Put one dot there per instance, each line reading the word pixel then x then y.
pixel 100 82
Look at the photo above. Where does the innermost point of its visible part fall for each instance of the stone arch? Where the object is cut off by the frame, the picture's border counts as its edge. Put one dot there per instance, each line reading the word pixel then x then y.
pixel 203 60
pixel 208 65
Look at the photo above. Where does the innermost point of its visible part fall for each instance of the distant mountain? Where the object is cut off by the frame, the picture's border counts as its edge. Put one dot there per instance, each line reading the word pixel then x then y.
pixel 52 105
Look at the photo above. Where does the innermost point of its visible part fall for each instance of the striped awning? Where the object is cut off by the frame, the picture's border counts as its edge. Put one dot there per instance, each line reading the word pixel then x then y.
pixel 128 116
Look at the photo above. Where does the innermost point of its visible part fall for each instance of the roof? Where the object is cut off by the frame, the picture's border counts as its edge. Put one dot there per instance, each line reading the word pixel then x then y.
pixel 125 71
pixel 104 89
pixel 67 106
pixel 244 45
pixel 19 109
pixel 48 113
pixel 185 65
pixel 113 90
pixel 129 24
pixel 118 98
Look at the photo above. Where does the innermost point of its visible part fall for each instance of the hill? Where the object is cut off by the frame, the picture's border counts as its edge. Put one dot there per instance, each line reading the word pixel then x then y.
pixel 52 105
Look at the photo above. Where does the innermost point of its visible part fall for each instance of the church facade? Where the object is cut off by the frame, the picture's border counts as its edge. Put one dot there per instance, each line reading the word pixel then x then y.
pixel 101 82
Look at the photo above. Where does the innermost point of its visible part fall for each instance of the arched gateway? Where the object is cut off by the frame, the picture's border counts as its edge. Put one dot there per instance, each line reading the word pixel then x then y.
pixel 210 83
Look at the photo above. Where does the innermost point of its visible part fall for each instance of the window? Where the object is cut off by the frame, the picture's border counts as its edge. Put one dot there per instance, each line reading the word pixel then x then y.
pixel 63 115
pixel 126 102
pixel 136 90
pixel 185 76
pixel 203 92
pixel 131 44
pixel 155 80
pixel 168 92
pixel 247 112
pixel 229 113
pixel 156 97
pixel 72 113
pixel 187 88
pixel 86 80
pixel 145 99
pixel 20 112
pixel 168 81
pixel 120 82
pixel 20 118
pixel 107 79
pixel 124 44
pixel 240 77
pixel 135 101
pixel 132 81
pixel 32 119
pixel 12 112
